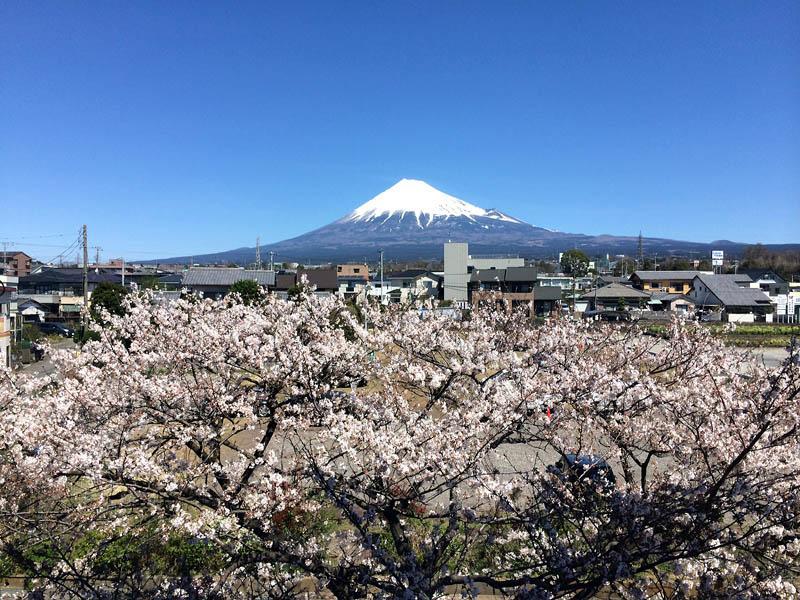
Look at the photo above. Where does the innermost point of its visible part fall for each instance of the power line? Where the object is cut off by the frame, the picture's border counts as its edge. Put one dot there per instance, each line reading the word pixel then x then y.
pixel 69 248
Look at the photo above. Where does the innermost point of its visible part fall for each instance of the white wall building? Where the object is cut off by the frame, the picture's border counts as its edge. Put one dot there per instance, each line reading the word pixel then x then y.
pixel 9 324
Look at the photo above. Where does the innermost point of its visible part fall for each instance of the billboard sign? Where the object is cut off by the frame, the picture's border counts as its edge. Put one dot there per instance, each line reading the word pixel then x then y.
pixel 717 254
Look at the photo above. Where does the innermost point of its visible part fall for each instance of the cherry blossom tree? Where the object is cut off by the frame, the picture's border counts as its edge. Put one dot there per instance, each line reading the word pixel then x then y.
pixel 218 449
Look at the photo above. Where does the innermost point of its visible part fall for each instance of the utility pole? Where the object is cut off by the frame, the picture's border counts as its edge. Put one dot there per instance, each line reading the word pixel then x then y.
pixel 271 262
pixel 85 276
pixel 258 253
pixel 123 272
pixel 97 250
pixel 5 264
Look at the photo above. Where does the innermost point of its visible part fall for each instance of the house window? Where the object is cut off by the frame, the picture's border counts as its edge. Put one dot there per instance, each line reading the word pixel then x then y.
pixel 356 270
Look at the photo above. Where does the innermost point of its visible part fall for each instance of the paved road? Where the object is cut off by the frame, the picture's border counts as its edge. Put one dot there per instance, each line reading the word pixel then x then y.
pixel 45 366
pixel 772 357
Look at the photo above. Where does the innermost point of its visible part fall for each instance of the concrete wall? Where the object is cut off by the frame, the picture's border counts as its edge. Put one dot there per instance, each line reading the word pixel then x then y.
pixel 740 318
pixel 456 278
pixel 496 263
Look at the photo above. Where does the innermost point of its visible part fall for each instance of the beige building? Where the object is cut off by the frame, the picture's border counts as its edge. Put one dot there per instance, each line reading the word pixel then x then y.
pixel 15 263
pixel 352 271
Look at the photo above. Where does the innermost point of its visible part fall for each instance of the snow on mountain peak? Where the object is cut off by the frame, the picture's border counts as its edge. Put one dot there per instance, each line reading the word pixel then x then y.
pixel 416 197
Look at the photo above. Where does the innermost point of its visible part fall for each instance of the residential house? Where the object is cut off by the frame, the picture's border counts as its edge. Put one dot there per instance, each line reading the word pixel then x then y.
pixel 352 277
pixel 671 302
pixel 64 281
pixel 60 290
pixel 777 288
pixel 216 282
pixel 32 311
pixel 324 281
pixel 767 281
pixel 676 282
pixel 732 296
pixel 614 296
pixel 513 288
pixel 170 281
pixel 415 283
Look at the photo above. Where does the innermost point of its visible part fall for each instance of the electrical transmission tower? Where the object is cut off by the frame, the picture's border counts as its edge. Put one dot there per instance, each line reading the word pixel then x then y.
pixel 641 251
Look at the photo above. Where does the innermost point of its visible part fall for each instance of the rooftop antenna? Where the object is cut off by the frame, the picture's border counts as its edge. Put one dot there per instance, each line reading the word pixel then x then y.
pixel 258 253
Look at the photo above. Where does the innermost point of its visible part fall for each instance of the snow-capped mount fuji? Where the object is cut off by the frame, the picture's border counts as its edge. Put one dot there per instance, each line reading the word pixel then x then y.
pixel 411 220
pixel 424 202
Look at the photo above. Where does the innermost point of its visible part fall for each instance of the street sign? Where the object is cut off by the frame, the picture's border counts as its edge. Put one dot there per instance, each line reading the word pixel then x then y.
pixel 717 254
pixel 716 262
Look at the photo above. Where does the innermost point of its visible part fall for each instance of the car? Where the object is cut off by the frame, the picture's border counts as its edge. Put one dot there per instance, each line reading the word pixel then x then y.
pixel 709 317
pixel 585 468
pixel 607 315
pixel 56 329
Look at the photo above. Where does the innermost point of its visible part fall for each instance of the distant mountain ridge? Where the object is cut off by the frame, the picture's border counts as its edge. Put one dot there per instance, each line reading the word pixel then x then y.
pixel 412 220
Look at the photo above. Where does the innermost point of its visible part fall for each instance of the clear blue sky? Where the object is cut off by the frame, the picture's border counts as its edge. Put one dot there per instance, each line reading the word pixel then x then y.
pixel 189 127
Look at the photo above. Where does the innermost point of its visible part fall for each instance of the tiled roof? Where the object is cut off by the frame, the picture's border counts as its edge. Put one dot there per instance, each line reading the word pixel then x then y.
pixel 521 274
pixel 224 277
pixel 546 292
pixel 729 293
pixel 665 275
pixel 68 276
pixel 606 279
pixel 284 281
pixel 615 290
pixel 323 279
pixel 766 274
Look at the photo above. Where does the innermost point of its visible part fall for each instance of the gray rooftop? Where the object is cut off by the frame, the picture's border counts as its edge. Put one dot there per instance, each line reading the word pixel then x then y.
pixel 615 290
pixel 546 292
pixel 224 277
pixel 728 291
pixel 665 275
pixel 520 273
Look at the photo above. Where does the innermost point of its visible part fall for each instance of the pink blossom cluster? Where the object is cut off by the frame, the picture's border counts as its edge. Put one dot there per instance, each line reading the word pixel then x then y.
pixel 286 445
